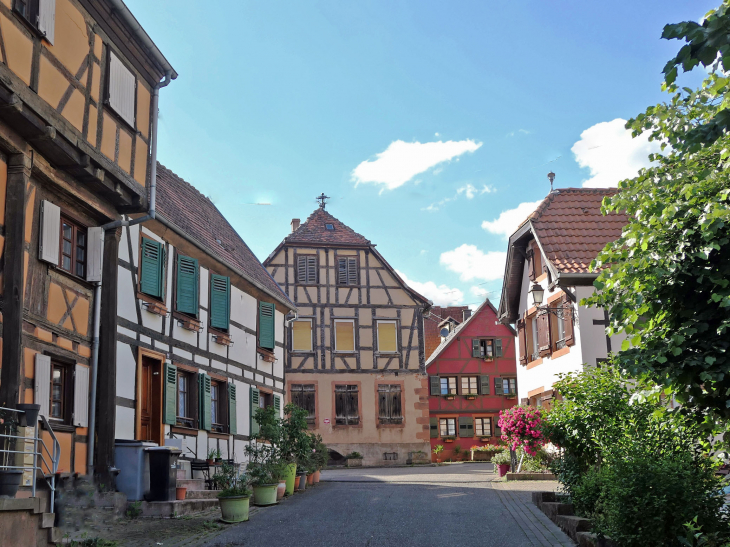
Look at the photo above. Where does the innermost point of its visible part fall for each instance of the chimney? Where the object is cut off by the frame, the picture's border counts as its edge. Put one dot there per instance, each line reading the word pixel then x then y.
pixel 294 224
pixel 466 314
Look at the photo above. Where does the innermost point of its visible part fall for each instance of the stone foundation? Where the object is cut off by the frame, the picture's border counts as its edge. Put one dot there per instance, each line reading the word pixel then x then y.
pixel 374 454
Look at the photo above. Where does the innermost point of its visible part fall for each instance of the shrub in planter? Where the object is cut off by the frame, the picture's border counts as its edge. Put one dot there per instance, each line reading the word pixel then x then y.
pixel 503 461
pixel 437 452
pixel 234 497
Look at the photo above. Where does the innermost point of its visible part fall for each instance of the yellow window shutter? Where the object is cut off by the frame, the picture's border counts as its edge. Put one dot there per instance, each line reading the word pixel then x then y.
pixel 302 335
pixel 344 336
pixel 387 336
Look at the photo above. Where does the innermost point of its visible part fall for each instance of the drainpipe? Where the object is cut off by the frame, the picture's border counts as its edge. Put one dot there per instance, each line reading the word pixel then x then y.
pixel 97 286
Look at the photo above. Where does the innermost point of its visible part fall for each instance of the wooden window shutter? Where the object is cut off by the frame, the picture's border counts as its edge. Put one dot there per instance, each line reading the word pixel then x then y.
pixel 531 264
pixel 434 426
pixel 81 396
pixel 94 253
pixel 186 294
pixel 435 385
pixel 301 269
pixel 476 347
pixel 255 396
pixel 543 333
pixel 484 385
pixel 277 404
pixel 50 232
pixel 266 325
pixel 42 386
pixel 466 426
pixel 306 269
pixel 498 347
pixel 205 401
pixel 522 336
pixel 311 269
pixel 220 301
pixel 232 418
pixel 47 19
pixel 152 263
pixel 342 271
pixel 169 415
pixel 122 89
pixel 498 386
pixel 568 322
pixel 352 271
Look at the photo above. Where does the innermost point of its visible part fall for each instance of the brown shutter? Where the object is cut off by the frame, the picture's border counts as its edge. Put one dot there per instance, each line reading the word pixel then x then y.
pixel 568 322
pixel 301 269
pixel 342 271
pixel 352 271
pixel 522 334
pixel 531 265
pixel 311 269
pixel 543 333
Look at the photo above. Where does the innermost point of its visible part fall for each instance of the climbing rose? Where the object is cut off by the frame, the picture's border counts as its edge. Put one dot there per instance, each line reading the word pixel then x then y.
pixel 521 426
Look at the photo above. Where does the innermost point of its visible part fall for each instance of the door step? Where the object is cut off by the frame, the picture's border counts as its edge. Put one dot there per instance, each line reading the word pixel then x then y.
pixel 191 484
pixel 201 494
pixel 170 509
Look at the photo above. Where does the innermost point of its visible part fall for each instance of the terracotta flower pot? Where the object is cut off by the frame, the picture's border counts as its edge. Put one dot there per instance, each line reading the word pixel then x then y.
pixel 180 493
pixel 310 479
pixel 316 476
pixel 210 461
pixel 280 490
pixel 296 482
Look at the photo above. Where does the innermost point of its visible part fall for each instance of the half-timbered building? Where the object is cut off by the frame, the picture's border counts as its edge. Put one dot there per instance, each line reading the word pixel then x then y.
pixel 78 110
pixel 200 341
pixel 355 355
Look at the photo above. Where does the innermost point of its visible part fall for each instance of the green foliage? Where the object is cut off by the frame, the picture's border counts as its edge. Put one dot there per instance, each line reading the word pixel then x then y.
pixel 354 456
pixel 537 463
pixel 134 509
pixel 320 455
pixel 502 457
pixel 230 482
pixel 438 449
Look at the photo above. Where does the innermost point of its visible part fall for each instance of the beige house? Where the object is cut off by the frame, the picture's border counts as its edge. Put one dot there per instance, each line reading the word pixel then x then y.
pixel 355 352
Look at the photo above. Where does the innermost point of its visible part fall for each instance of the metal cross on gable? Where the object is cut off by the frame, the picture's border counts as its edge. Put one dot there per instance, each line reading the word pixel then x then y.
pixel 322 199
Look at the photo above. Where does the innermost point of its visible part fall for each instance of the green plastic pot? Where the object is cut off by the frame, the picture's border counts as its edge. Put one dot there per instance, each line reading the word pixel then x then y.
pixel 264 494
pixel 291 473
pixel 234 508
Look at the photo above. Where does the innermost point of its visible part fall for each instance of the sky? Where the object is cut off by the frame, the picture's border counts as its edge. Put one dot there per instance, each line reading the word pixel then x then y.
pixel 431 125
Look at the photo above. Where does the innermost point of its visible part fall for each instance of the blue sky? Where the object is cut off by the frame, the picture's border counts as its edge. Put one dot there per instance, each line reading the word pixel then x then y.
pixel 432 125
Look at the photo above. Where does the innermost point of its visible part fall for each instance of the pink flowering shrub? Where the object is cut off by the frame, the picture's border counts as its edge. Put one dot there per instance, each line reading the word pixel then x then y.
pixel 522 426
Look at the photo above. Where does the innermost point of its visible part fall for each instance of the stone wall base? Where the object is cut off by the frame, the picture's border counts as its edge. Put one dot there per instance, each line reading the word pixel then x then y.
pixel 375 454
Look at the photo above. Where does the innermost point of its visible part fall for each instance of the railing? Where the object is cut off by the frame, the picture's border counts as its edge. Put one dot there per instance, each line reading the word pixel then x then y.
pixel 39 445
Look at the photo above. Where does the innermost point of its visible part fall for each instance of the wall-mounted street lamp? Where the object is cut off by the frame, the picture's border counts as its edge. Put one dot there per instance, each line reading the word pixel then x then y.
pixel 538 294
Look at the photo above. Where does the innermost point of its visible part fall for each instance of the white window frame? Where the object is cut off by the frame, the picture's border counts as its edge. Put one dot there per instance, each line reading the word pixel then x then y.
pixel 395 323
pixel 311 336
pixel 354 344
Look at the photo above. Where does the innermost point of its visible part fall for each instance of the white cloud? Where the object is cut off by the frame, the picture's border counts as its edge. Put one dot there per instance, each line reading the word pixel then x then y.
pixel 472 263
pixel 479 292
pixel 469 191
pixel 440 295
pixel 519 131
pixel 402 161
pixel 487 189
pixel 509 220
pixel 611 154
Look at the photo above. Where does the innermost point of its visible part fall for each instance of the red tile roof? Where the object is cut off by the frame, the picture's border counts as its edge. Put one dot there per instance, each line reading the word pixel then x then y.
pixel 431 324
pixel 181 204
pixel 571 229
pixel 314 230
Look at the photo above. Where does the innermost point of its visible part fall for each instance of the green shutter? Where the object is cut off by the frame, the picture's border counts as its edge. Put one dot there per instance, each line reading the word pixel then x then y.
pixel 484 385
pixel 232 423
pixel 152 260
pixel 498 386
pixel 475 348
pixel 277 404
pixel 205 402
pixel 266 325
pixel 466 426
pixel 434 427
pixel 220 301
pixel 170 392
pixel 435 385
pixel 187 285
pixel 498 347
pixel 255 394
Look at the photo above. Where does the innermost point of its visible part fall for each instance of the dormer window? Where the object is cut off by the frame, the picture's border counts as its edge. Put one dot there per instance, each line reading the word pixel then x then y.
pixel 329 226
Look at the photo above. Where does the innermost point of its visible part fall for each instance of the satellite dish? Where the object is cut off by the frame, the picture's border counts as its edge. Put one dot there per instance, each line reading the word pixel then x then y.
pixel 444 332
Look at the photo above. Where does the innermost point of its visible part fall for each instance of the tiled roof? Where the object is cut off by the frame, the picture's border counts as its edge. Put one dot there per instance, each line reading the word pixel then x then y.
pixel 431 324
pixel 314 230
pixel 571 229
pixel 182 205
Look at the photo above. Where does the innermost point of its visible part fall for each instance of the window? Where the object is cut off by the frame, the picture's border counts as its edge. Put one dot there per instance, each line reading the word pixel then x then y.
pixel 185 411
pixel 347 271
pixel 218 406
pixel 152 268
pixel 220 302
pixel 486 349
pixel 389 404
pixel 187 283
pixel 122 89
pixel 344 335
pixel 346 405
pixel 447 427
pixel 469 385
pixel 59 395
pixel 38 14
pixel 505 386
pixel 448 385
pixel 259 399
pixel 535 261
pixel 306 269
pixel 303 395
pixel 329 227
pixel 387 337
pixel 73 248
pixel 560 338
pixel 302 335
pixel 534 341
pixel 483 427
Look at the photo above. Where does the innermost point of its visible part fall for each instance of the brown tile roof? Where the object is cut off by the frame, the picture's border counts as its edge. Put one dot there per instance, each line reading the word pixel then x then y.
pixel 571 229
pixel 314 230
pixel 431 323
pixel 182 205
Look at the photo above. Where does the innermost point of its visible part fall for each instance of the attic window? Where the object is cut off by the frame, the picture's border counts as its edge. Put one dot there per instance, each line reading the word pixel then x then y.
pixel 329 226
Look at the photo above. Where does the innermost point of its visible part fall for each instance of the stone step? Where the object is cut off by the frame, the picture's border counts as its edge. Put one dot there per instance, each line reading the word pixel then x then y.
pixel 47 520
pixel 201 494
pixel 169 509
pixel 191 484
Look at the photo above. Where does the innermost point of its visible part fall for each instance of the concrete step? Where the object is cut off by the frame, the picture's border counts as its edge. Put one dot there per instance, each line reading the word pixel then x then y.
pixel 201 494
pixel 169 509
pixel 191 484
pixel 47 520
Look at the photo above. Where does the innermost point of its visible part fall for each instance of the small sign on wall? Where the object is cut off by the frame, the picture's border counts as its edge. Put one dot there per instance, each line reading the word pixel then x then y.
pixel 326 420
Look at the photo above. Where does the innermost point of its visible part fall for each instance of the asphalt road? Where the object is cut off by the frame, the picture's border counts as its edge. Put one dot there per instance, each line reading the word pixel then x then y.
pixel 448 505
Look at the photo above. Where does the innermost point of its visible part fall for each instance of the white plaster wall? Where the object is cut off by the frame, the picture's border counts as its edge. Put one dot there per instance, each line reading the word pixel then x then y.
pixel 149 233
pixel 184 335
pixel 594 336
pixel 126 371
pixel 126 295
pixel 151 320
pixel 134 235
pixel 216 348
pixel 279 326
pixel 123 245
pixel 243 411
pixel 204 336
pixel 243 308
pixel 203 287
pixel 124 423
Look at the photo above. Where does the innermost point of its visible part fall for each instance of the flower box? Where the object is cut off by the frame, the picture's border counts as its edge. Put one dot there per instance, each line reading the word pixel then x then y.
pixel 450 397
pixel 353 462
pixel 471 397
pixel 449 439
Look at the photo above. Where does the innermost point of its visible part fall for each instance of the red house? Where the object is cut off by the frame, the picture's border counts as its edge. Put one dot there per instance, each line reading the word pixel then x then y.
pixel 472 376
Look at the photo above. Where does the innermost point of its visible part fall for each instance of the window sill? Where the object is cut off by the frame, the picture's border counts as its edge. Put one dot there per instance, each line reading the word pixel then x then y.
pixel 560 352
pixel 390 425
pixel 156 308
pixel 188 323
pixel 184 430
pixel 533 364
pixel 218 435
pixel 61 427
pixel 471 397
pixel 448 439
pixel 348 352
pixel 266 354
pixel 222 338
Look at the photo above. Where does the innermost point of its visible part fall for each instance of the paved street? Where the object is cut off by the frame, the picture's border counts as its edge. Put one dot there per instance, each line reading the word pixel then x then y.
pixel 448 505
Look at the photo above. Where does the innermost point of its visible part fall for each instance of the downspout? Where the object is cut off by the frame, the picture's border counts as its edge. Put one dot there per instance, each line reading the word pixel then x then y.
pixel 97 286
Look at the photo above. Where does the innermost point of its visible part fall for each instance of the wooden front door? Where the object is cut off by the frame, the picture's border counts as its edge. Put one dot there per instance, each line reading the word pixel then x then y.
pixel 151 401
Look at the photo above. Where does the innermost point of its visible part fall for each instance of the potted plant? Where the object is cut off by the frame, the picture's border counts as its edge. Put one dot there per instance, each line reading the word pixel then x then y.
pixel 437 452
pixel 502 460
pixel 294 442
pixel 210 460
pixel 450 396
pixel 262 471
pixel 217 455
pixel 234 497
pixel 353 459
pixel 10 479
pixel 457 452
pixel 450 439
pixel 321 455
